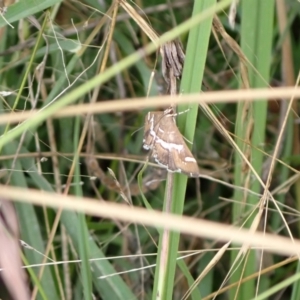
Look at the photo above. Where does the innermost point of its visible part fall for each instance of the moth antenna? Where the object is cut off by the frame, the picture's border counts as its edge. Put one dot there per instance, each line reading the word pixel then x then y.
pixel 169 111
pixel 137 130
pixel 179 113
pixel 182 112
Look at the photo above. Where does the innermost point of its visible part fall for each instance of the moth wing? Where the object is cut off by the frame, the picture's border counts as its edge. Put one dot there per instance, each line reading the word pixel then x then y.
pixel 181 161
pixel 150 129
pixel 172 165
pixel 161 155
pixel 185 162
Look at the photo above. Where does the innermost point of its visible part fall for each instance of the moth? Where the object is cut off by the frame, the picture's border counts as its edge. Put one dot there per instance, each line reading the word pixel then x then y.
pixel 167 146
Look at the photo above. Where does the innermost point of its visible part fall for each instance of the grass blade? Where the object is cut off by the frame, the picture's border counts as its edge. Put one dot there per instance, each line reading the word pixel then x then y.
pixel 191 82
pixel 257 33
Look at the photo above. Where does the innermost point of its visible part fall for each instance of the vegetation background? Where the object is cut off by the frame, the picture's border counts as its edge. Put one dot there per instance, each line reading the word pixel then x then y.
pixel 79 65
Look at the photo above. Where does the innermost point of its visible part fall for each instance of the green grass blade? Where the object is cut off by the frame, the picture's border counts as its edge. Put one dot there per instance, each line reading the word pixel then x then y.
pixel 191 82
pixel 25 8
pixel 278 287
pixel 256 40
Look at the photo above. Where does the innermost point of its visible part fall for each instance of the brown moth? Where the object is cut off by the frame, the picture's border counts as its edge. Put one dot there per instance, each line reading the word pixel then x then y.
pixel 169 150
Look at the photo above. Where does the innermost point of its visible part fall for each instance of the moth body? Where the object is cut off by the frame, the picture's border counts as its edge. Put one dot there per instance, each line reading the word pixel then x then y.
pixel 167 146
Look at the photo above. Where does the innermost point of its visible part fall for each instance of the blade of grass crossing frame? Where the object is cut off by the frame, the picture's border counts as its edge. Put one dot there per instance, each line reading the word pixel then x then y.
pixel 191 82
pixel 256 40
